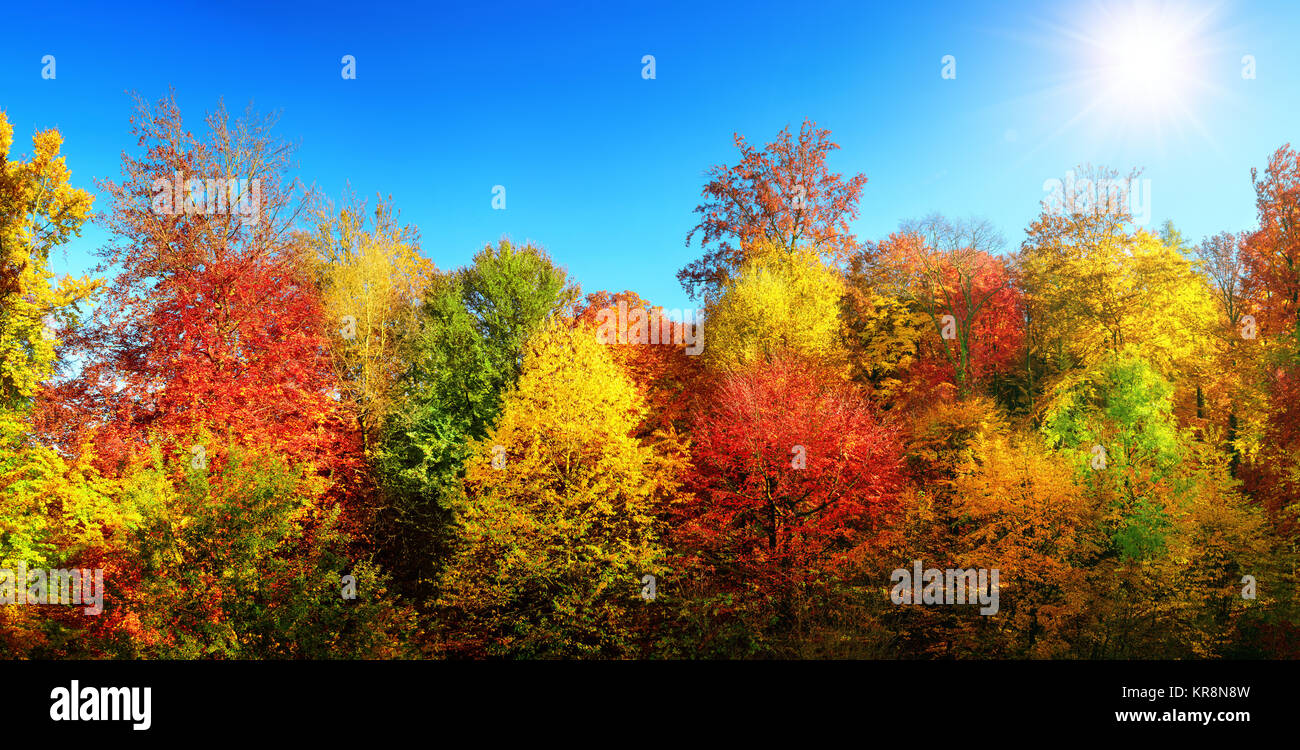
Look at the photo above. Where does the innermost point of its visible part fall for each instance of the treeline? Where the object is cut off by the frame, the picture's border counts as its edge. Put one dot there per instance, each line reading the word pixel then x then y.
pixel 281 432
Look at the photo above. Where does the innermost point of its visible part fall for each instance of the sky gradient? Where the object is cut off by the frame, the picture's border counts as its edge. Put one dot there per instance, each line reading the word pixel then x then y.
pixel 603 167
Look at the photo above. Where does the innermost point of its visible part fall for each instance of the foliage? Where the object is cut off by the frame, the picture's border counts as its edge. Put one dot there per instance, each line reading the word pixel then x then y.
pixel 557 523
pixel 464 357
pixel 795 477
pixel 371 276
pixel 275 404
pixel 781 302
pixel 784 195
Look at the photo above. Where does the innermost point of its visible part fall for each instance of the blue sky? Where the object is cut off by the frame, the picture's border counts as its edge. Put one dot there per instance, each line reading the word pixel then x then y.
pixel 603 167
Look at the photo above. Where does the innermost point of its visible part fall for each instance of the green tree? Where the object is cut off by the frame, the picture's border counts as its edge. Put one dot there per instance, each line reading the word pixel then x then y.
pixel 243 561
pixel 465 354
pixel 1117 423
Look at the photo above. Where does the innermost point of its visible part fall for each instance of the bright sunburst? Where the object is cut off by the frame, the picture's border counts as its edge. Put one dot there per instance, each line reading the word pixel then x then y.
pixel 1144 65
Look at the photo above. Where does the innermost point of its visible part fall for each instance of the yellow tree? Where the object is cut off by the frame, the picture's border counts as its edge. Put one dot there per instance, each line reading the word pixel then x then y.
pixel 50 508
pixel 372 277
pixel 39 210
pixel 1217 538
pixel 1233 374
pixel 557 525
pixel 881 330
pixel 1018 510
pixel 779 301
pixel 1093 287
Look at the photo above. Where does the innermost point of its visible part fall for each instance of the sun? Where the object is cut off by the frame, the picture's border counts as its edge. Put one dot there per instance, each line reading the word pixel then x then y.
pixel 1120 74
pixel 1146 64
pixel 1145 68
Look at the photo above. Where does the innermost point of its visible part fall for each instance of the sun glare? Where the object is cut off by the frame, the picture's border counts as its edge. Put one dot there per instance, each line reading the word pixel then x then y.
pixel 1146 66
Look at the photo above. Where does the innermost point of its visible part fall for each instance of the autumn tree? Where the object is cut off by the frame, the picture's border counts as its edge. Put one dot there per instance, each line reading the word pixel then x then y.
pixel 949 272
pixel 883 333
pixel 987 495
pixel 558 524
pixel 784 194
pixel 211 321
pixel 240 561
pixel 1273 251
pixel 664 369
pixel 1018 510
pixel 208 343
pixel 39 210
pixel 1268 435
pixel 1223 264
pixel 940 439
pixel 779 302
pixel 371 276
pixel 1094 286
pixel 53 507
pixel 1221 261
pixel 795 477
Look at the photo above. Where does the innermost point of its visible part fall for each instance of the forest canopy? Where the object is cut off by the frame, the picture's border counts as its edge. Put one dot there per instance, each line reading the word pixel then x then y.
pixel 280 431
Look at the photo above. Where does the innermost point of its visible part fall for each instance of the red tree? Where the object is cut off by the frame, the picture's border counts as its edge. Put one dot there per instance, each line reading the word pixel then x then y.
pixel 210 338
pixel 794 475
pixel 1272 256
pixel 948 273
pixel 994 308
pixel 784 194
pixel 211 323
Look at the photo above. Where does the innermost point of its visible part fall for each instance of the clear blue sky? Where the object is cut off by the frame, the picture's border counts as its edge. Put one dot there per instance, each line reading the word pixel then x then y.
pixel 603 167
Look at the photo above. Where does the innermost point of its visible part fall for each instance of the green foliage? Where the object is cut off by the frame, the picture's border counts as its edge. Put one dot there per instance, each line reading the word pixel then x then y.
pixel 242 559
pixel 467 352
pixel 1118 424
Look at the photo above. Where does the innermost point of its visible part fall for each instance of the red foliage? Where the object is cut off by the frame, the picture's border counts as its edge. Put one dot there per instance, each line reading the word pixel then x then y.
pixel 1272 253
pixel 986 335
pixel 783 193
pixel 1271 256
pixel 664 373
pixel 211 323
pixel 1270 479
pixel 997 329
pixel 766 518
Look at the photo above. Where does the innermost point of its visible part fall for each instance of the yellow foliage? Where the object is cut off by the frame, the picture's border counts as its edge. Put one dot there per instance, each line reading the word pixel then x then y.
pixel 883 333
pixel 39 210
pixel 779 301
pixel 558 523
pixel 371 277
pixel 1091 296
